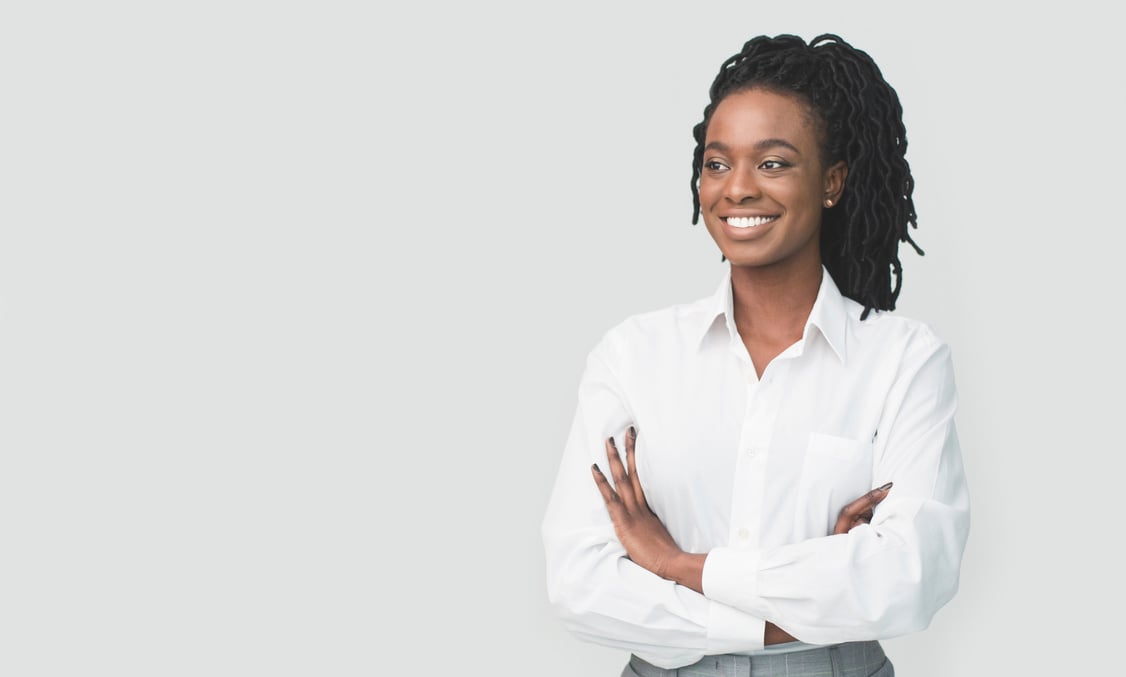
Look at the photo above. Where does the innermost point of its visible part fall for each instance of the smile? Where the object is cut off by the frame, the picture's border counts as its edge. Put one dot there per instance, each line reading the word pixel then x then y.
pixel 748 221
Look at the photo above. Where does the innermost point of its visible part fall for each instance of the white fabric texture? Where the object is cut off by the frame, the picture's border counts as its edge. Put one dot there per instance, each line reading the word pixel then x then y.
pixel 754 472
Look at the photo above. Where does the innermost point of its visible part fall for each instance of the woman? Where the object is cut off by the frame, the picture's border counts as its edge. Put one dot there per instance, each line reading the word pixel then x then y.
pixel 742 531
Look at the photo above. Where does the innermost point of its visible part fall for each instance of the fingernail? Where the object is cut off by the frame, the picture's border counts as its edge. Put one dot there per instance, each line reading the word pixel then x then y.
pixel 886 487
pixel 596 469
pixel 632 432
pixel 612 443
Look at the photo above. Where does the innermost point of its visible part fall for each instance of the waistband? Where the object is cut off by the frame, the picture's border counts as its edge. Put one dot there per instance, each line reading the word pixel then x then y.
pixel 852 658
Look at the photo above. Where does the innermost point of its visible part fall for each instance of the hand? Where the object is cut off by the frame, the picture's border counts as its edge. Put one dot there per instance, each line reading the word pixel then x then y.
pixel 860 511
pixel 644 536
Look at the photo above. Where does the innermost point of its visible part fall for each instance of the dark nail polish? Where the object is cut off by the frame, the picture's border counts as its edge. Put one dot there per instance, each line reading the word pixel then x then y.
pixel 596 469
pixel 633 432
pixel 612 443
pixel 886 487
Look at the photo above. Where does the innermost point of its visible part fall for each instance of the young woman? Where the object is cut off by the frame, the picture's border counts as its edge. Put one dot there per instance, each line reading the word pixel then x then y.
pixel 792 487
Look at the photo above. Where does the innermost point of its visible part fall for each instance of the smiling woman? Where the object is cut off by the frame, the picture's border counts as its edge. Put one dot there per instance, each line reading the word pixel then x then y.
pixel 741 533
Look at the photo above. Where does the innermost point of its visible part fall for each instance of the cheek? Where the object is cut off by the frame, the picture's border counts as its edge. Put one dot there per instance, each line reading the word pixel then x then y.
pixel 707 193
pixel 711 224
pixel 800 197
pixel 710 187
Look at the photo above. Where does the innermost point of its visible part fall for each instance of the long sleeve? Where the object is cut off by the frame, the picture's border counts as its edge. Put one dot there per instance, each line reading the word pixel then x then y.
pixel 598 592
pixel 887 578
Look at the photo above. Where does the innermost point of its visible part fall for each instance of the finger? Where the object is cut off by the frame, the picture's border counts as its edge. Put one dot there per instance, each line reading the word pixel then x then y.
pixel 864 506
pixel 618 472
pixel 883 492
pixel 865 518
pixel 867 502
pixel 848 515
pixel 604 488
pixel 631 462
pixel 845 524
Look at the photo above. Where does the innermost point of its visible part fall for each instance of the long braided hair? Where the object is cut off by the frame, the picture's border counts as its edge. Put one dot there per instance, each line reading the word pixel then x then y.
pixel 861 122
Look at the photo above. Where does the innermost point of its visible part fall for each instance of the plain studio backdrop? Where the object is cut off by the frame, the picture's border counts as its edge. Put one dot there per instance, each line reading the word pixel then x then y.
pixel 295 298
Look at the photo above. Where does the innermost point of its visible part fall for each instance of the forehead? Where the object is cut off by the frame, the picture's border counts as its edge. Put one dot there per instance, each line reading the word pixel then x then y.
pixel 755 114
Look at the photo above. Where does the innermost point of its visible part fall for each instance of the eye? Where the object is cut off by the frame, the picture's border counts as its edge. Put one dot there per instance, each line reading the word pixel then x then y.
pixel 773 164
pixel 714 166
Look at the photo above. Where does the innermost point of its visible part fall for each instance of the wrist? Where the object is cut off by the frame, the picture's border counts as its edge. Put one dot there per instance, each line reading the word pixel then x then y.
pixel 687 569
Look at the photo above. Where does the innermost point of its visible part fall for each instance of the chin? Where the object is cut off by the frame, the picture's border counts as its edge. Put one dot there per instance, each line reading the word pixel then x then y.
pixel 743 259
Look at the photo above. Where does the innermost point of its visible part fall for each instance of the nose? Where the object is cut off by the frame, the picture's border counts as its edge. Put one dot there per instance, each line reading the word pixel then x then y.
pixel 741 185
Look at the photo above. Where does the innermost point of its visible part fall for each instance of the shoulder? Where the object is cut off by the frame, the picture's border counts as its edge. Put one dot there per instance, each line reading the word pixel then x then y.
pixel 662 332
pixel 890 325
pixel 888 336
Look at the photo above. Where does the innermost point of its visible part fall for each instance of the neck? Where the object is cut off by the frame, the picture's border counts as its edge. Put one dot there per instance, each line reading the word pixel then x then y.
pixel 771 303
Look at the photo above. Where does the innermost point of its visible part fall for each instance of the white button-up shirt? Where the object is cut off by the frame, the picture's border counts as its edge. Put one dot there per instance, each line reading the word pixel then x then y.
pixel 753 472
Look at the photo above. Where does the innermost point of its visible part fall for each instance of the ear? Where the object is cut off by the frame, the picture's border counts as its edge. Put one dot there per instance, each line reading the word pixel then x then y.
pixel 833 183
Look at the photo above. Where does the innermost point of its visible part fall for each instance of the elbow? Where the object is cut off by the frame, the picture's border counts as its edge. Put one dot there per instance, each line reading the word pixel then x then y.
pixel 903 608
pixel 585 609
pixel 931 581
pixel 571 573
pixel 921 608
pixel 571 612
pixel 563 594
pixel 930 562
pixel 918 577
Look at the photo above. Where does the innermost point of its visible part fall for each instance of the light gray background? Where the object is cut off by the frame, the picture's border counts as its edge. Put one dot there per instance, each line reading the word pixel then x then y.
pixel 294 300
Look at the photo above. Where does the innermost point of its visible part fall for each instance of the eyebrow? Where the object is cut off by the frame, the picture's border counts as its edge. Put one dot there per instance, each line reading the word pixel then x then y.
pixel 759 146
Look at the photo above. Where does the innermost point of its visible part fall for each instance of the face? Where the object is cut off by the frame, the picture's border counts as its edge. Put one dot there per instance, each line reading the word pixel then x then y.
pixel 762 186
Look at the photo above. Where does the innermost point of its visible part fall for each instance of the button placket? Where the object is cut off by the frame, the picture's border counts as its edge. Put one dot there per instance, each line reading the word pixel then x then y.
pixel 759 415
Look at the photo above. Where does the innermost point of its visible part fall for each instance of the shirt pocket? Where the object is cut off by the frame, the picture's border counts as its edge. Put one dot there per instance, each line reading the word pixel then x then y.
pixel 835 472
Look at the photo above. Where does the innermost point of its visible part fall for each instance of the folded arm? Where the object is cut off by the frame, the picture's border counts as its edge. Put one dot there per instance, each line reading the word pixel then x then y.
pixel 891 576
pixel 648 542
pixel 601 594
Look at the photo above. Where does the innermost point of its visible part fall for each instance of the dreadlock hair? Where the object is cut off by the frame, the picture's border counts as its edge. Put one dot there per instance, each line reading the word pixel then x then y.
pixel 860 121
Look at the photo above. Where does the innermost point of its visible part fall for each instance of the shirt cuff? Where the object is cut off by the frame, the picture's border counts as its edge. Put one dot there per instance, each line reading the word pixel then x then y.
pixel 730 577
pixel 731 630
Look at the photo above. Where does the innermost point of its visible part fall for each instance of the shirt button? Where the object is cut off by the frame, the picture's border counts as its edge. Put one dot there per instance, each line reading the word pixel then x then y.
pixel 744 534
pixel 751 451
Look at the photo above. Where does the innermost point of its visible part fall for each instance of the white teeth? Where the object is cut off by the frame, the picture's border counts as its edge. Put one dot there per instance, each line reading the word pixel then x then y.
pixel 749 221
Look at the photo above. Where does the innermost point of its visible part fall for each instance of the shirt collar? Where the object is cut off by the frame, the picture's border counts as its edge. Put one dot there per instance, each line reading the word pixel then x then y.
pixel 829 315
